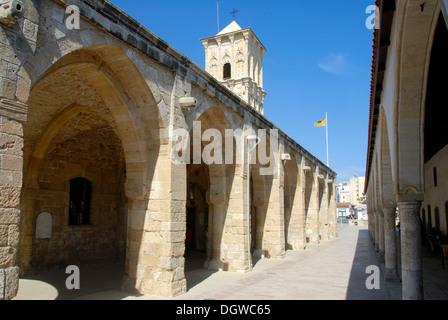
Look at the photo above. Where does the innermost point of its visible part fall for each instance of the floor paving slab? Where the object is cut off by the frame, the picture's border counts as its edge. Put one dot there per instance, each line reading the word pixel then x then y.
pixel 332 270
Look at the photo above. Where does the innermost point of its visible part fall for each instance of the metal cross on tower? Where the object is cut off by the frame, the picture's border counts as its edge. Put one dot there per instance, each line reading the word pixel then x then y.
pixel 234 12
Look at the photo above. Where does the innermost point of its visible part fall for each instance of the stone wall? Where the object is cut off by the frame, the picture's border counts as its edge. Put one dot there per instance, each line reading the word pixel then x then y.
pixel 93 154
pixel 15 42
pixel 436 195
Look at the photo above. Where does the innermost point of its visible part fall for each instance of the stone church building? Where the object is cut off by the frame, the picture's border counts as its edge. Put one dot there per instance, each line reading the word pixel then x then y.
pixel 407 165
pixel 87 116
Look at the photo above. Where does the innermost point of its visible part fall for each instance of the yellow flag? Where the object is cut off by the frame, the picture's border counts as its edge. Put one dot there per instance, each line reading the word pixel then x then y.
pixel 321 123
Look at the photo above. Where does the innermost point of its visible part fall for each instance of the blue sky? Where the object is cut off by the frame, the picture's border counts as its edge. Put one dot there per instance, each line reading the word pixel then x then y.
pixel 318 60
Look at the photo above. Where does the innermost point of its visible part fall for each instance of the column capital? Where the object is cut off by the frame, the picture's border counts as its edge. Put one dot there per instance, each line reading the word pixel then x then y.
pixel 411 204
pixel 409 198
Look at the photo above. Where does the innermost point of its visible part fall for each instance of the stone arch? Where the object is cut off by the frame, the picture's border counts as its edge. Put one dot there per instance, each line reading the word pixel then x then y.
pixel 102 86
pixel 120 84
pixel 413 65
pixel 220 179
pixel 387 184
pixel 434 128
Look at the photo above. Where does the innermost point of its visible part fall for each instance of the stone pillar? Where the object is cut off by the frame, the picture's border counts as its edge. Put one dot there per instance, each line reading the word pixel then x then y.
pixel 274 228
pixel 156 234
pixel 332 210
pixel 296 233
pixel 260 211
pixel 390 253
pixel 381 245
pixel 235 247
pixel 411 250
pixel 371 217
pixel 11 173
pixel 218 213
pixel 323 211
pixel 377 230
pixel 18 43
pixel 312 223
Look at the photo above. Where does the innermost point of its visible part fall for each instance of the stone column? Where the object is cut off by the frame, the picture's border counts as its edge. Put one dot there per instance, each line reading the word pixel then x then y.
pixel 218 212
pixel 312 223
pixel 296 232
pixel 274 228
pixel 377 230
pixel 14 92
pixel 323 211
pixel 411 250
pixel 260 211
pixel 236 238
pixel 11 173
pixel 332 210
pixel 157 217
pixel 371 217
pixel 381 248
pixel 390 253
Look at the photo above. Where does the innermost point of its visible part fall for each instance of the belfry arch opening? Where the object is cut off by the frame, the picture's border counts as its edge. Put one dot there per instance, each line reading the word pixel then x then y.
pixel 227 71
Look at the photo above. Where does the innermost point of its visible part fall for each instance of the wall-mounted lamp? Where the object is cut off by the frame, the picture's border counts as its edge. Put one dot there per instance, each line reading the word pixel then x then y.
pixel 286 157
pixel 187 102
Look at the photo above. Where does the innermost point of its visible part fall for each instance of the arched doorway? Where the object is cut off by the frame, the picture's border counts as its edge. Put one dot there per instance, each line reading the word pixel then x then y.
pixel 208 186
pixel 197 217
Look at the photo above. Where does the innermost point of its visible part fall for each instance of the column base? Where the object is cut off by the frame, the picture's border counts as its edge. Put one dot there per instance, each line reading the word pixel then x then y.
pixel 9 283
pixel 217 265
pixel 391 275
pixel 412 285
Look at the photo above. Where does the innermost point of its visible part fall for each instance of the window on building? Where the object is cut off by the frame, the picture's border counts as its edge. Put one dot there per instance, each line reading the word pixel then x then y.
pixel 435 177
pixel 437 214
pixel 227 71
pixel 429 217
pixel 424 217
pixel 446 217
pixel 80 201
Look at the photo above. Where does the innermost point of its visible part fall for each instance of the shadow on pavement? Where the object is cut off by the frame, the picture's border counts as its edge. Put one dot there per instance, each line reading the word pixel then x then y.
pixel 364 257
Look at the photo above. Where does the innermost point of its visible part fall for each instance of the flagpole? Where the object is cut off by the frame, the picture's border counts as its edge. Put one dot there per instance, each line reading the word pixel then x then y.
pixel 217 7
pixel 328 157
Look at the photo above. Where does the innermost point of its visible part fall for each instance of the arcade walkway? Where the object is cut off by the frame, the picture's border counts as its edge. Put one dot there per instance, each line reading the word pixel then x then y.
pixel 333 270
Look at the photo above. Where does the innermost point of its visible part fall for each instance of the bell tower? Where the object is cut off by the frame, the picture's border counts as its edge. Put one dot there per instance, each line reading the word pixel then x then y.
pixel 235 58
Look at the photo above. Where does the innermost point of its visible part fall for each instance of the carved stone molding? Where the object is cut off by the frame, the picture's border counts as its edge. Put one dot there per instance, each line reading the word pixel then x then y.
pixel 13 109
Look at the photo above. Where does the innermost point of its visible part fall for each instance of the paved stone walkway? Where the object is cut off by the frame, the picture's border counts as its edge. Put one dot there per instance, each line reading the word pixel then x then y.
pixel 333 270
